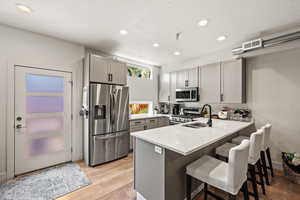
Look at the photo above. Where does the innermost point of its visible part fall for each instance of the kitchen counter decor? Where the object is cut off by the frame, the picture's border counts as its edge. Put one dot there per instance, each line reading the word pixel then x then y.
pixel 291 166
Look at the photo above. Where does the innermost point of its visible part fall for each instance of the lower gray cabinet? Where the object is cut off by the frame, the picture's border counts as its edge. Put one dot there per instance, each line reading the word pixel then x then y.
pixel 144 124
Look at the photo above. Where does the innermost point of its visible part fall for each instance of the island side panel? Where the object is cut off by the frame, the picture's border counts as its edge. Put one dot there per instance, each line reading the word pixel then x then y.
pixel 149 171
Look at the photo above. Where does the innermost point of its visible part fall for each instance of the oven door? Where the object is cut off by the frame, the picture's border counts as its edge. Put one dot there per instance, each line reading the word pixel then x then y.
pixel 183 95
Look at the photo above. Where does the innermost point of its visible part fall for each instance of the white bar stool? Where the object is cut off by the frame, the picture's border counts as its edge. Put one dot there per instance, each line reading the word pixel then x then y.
pixel 253 159
pixel 229 177
pixel 265 150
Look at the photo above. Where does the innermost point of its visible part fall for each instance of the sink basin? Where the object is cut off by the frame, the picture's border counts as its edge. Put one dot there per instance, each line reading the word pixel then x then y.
pixel 196 125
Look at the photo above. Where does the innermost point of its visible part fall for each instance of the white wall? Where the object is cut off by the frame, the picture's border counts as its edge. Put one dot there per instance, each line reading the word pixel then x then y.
pixel 273 94
pixel 144 90
pixel 30 49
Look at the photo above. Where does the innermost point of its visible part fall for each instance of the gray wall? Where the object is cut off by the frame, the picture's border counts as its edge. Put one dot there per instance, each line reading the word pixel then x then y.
pixel 273 94
pixel 31 49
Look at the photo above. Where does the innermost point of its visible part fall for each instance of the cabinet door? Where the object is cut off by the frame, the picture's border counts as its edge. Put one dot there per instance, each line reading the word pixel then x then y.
pixel 99 69
pixel 210 83
pixel 163 121
pixel 193 77
pixel 173 87
pixel 164 87
pixel 152 123
pixel 119 72
pixel 181 78
pixel 233 81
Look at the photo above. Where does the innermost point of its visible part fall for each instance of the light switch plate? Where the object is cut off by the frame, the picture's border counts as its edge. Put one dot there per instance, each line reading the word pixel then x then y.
pixel 158 149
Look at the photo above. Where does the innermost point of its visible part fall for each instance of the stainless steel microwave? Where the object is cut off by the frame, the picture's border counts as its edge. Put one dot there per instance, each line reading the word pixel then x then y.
pixel 187 94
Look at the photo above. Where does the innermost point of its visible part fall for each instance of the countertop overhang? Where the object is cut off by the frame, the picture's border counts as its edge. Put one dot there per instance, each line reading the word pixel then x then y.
pixel 185 140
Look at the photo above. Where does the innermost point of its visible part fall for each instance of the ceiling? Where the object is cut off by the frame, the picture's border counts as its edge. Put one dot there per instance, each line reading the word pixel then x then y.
pixel 97 24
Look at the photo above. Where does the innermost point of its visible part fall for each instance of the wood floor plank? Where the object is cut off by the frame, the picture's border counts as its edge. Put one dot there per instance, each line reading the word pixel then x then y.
pixel 114 181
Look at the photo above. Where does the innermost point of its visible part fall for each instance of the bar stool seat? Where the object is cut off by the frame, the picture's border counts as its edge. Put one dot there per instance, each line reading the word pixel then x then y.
pixel 213 171
pixel 239 139
pixel 229 177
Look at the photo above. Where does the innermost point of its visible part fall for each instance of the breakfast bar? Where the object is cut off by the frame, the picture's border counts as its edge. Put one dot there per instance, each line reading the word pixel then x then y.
pixel 161 155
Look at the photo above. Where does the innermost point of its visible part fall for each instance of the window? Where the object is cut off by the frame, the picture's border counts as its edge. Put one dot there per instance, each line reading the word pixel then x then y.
pixel 139 72
pixel 140 108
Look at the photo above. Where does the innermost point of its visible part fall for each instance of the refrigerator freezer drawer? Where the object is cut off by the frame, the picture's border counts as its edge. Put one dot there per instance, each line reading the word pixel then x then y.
pixel 105 148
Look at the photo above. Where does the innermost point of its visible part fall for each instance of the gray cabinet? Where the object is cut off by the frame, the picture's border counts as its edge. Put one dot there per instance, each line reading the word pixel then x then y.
pixel 187 78
pixel 181 79
pixel 233 81
pixel 173 87
pixel 105 70
pixel 99 69
pixel 151 123
pixel 118 71
pixel 193 79
pixel 164 87
pixel 210 83
pixel 144 124
pixel 163 121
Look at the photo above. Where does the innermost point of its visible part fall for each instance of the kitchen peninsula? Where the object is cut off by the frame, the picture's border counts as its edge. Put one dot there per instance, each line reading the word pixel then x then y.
pixel 160 155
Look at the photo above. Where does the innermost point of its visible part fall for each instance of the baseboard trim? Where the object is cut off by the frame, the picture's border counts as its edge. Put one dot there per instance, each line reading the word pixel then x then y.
pixel 139 196
pixel 2 177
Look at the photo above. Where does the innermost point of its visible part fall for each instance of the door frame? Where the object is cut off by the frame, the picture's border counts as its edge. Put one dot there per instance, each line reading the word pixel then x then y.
pixel 10 115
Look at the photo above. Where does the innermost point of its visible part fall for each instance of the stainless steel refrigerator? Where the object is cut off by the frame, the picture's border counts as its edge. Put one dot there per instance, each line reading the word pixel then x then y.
pixel 108 123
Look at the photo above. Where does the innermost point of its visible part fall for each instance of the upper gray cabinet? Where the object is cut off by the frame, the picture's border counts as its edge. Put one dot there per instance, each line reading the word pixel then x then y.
pixel 173 80
pixel 164 87
pixel 106 70
pixel 187 78
pixel 209 83
pixel 233 81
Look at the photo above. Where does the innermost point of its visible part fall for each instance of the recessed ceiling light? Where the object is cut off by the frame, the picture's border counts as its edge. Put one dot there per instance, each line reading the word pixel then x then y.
pixel 24 8
pixel 222 38
pixel 123 32
pixel 177 53
pixel 203 22
pixel 155 45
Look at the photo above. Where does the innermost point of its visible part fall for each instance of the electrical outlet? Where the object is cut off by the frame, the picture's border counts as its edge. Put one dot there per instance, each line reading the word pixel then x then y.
pixel 158 149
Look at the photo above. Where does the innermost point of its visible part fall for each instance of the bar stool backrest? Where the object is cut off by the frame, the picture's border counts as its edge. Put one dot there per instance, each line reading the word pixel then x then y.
pixel 266 137
pixel 237 164
pixel 255 146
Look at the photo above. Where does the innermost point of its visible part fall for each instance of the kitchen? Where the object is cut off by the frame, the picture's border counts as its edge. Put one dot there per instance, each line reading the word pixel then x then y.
pixel 119 105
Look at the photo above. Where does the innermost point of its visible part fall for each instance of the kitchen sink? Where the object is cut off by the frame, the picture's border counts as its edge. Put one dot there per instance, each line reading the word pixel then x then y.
pixel 196 125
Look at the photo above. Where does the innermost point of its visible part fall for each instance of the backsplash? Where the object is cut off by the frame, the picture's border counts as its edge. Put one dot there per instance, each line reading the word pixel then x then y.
pixel 217 107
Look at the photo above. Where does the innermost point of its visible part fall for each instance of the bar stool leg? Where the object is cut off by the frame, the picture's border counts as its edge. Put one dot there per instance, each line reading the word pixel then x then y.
pixel 232 197
pixel 253 180
pixel 188 187
pixel 205 191
pixel 261 178
pixel 245 191
pixel 270 161
pixel 263 160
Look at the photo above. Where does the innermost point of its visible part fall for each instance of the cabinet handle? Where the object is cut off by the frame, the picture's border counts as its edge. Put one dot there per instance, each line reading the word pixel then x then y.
pixel 222 97
pixel 108 77
pixel 111 77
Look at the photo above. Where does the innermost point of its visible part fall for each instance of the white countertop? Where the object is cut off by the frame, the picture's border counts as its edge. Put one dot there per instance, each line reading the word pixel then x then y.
pixel 185 140
pixel 147 116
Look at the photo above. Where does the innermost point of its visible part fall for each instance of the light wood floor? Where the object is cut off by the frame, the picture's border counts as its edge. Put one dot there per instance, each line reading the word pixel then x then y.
pixel 114 181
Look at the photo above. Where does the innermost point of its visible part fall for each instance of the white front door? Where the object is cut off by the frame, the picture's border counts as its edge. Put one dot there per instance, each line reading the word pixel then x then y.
pixel 42 118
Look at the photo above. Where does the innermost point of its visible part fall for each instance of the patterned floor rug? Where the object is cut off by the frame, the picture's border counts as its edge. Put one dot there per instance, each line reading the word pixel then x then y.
pixel 45 185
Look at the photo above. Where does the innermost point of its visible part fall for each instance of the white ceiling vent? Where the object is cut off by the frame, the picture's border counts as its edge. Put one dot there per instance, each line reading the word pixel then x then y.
pixel 253 44
pixel 266 43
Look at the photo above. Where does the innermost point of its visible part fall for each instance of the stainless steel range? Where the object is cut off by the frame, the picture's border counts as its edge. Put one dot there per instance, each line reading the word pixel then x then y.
pixel 178 119
pixel 188 115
